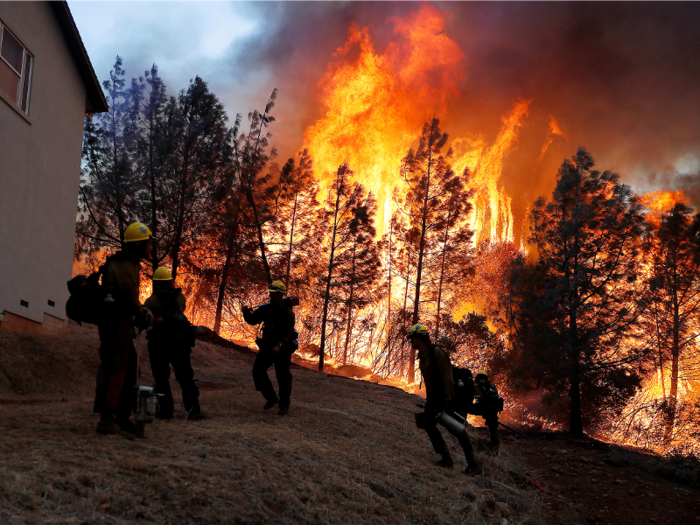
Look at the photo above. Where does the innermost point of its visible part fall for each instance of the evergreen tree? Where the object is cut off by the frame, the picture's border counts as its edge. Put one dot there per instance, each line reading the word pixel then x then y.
pixel 574 313
pixel 259 195
pixel 106 203
pixel 151 153
pixel 430 182
pixel 196 123
pixel 674 249
pixel 297 212
pixel 347 213
pixel 358 267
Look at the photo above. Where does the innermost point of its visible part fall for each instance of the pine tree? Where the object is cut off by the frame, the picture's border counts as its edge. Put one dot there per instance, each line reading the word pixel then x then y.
pixel 196 124
pixel 674 249
pixel 151 152
pixel 359 267
pixel 430 183
pixel 297 211
pixel 258 202
pixel 575 312
pixel 106 203
pixel 347 212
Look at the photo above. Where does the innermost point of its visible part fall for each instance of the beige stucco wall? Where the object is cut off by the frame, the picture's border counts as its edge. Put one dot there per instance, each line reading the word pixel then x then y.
pixel 39 170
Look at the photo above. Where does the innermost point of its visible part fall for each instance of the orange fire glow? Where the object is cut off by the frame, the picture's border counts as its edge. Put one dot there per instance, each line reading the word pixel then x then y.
pixel 659 202
pixel 377 102
pixel 553 132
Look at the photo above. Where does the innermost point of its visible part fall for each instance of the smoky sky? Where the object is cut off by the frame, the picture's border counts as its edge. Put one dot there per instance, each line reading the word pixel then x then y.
pixel 621 79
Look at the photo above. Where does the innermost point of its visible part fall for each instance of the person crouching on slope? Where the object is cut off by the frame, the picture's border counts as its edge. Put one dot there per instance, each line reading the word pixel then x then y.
pixel 439 388
pixel 121 311
pixel 276 347
pixel 170 340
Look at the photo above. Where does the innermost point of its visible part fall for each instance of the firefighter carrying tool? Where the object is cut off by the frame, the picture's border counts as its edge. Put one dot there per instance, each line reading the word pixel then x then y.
pixel 119 312
pixel 439 387
pixel 277 344
pixel 170 341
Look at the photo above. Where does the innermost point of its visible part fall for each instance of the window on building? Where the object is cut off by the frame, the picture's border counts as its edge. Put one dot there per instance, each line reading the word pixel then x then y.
pixel 15 69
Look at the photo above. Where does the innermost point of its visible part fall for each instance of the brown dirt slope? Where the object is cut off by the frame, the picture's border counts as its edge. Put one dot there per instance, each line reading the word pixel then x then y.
pixel 347 453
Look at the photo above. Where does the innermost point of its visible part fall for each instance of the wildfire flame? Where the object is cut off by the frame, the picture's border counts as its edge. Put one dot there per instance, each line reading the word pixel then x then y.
pixel 373 115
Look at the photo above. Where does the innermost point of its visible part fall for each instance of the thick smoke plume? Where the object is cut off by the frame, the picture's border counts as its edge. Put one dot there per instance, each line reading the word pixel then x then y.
pixel 619 79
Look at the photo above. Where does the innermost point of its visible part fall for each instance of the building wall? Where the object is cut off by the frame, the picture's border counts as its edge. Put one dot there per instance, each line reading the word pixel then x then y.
pixel 39 170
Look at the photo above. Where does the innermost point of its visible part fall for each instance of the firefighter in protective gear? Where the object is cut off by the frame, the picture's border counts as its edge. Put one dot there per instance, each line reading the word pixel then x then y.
pixel 436 369
pixel 121 311
pixel 277 345
pixel 485 405
pixel 170 341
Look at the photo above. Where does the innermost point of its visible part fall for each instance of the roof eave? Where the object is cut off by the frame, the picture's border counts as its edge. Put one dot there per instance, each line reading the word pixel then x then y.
pixel 96 101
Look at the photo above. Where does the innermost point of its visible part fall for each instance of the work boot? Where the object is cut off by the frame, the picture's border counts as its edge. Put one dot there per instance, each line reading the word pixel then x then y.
pixel 270 404
pixel 283 411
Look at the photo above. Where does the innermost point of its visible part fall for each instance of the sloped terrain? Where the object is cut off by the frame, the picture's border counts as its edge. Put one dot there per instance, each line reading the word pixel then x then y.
pixel 348 452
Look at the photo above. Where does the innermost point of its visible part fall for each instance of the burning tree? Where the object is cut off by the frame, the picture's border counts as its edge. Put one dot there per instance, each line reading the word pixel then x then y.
pixel 348 214
pixel 258 193
pixel 574 313
pixel 433 191
pixel 297 220
pixel 674 248
pixel 396 253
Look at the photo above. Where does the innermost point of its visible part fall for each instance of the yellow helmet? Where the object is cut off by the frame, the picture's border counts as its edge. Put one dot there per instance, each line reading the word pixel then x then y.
pixel 277 287
pixel 137 231
pixel 483 373
pixel 162 274
pixel 417 329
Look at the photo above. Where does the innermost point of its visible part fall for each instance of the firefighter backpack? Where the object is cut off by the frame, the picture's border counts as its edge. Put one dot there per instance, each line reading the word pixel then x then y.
pixel 464 389
pixel 87 297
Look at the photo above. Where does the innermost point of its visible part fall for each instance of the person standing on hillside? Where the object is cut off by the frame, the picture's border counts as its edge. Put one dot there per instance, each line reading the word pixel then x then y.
pixel 487 404
pixel 439 388
pixel 277 345
pixel 170 340
pixel 121 310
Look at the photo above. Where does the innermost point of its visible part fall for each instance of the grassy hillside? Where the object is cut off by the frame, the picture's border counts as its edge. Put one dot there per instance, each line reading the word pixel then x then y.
pixel 347 453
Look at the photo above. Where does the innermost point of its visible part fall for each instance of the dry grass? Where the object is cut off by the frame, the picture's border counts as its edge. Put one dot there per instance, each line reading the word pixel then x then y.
pixel 347 453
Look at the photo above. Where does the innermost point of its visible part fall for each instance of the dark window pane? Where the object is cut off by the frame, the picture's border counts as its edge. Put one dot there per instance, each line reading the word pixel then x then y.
pixel 12 51
pixel 27 80
pixel 9 81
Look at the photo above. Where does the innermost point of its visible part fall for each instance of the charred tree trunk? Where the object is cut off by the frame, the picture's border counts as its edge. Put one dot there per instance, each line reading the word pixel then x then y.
pixel 388 306
pixel 419 270
pixel 327 293
pixel 291 241
pixel 675 355
pixel 179 222
pixel 348 326
pixel 442 279
pixel 224 283
pixel 261 240
pixel 661 357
